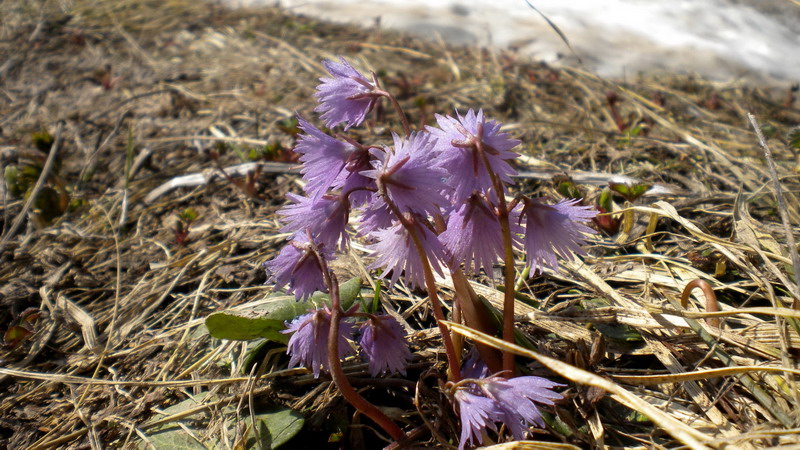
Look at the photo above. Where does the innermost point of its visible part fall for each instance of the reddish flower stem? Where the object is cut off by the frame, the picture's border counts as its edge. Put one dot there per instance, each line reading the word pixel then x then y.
pixel 430 285
pixel 509 271
pixel 335 366
pixel 711 299
pixel 396 106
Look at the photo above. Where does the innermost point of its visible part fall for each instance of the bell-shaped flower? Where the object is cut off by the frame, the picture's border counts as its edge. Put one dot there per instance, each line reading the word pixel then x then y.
pixel 326 218
pixel 411 175
pixel 346 97
pixel 308 346
pixel 297 266
pixel 477 414
pixel 323 157
pixel 474 237
pixel 375 216
pixel 383 343
pixel 396 253
pixel 554 230
pixel 457 141
pixel 482 402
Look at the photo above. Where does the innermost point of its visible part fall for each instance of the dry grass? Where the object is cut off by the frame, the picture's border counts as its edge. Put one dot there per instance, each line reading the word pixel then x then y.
pixel 142 90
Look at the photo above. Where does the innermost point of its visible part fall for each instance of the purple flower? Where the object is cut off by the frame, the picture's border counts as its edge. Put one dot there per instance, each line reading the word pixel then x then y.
pixel 325 217
pixel 411 175
pixel 511 395
pixel 395 251
pixel 308 346
pixel 383 342
pixel 297 265
pixel 323 158
pixel 375 216
pixel 473 236
pixel 477 414
pixel 457 141
pixel 554 230
pixel 482 402
pixel 359 188
pixel 473 366
pixel 347 97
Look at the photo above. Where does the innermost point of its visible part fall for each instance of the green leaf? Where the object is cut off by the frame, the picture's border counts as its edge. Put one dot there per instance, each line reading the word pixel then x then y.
pixel 566 187
pixel 276 426
pixel 171 435
pixel 43 140
pixel 622 333
pixel 16 334
pixel 268 320
pixel 604 201
pixel 630 191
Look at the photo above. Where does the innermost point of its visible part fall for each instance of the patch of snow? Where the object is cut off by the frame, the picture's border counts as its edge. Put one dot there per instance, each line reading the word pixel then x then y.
pixel 718 39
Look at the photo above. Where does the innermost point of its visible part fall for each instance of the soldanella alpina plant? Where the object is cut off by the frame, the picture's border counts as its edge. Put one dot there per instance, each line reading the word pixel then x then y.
pixel 434 200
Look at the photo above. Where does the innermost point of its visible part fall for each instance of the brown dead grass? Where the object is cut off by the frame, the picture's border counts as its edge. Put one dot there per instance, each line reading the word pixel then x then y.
pixel 121 336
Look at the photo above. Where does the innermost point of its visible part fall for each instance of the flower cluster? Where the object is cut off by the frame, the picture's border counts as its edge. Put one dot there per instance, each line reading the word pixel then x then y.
pixel 382 342
pixel 446 171
pixel 433 200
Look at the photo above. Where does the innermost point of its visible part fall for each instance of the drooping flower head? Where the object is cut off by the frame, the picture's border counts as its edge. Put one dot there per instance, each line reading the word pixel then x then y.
pixel 511 395
pixel 383 342
pixel 457 141
pixel 298 266
pixel 347 97
pixel 323 157
pixel 552 230
pixel 308 346
pixel 325 217
pixel 396 253
pixel 473 236
pixel 353 183
pixel 482 402
pixel 477 414
pixel 375 216
pixel 411 175
pixel 473 366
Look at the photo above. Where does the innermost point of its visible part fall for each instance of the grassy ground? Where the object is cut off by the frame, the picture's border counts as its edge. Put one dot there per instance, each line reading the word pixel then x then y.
pixel 114 273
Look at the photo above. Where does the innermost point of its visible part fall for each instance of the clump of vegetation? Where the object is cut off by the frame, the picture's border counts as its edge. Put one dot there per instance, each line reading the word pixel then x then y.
pixel 121 335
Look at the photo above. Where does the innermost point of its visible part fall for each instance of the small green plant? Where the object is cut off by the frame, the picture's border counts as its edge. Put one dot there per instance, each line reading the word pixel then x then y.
pixel 185 219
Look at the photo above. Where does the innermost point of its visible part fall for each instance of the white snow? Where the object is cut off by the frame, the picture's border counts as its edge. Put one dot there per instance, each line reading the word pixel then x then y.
pixel 720 39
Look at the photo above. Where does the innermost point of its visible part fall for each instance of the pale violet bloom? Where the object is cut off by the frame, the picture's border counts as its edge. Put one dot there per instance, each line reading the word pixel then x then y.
pixel 456 141
pixel 323 157
pixel 297 266
pixel 347 97
pixel 308 345
pixel 411 174
pixel 325 217
pixel 554 230
pixel 473 236
pixel 396 253
pixel 482 402
pixel 383 343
